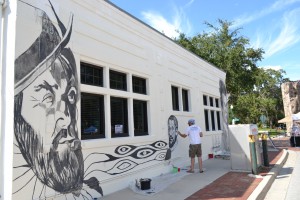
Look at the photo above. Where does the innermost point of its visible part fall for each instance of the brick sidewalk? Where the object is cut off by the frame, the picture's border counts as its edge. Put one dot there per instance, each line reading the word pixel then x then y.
pixel 238 185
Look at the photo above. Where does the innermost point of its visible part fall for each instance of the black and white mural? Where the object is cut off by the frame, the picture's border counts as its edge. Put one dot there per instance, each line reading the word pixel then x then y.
pixel 172 132
pixel 48 158
pixel 224 107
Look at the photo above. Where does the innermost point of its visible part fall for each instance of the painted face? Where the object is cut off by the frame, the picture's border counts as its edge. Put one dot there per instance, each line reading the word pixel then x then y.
pixel 172 130
pixel 45 128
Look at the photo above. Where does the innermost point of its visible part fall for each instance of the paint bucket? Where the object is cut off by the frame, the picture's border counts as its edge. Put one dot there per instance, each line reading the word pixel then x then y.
pixel 210 155
pixel 145 183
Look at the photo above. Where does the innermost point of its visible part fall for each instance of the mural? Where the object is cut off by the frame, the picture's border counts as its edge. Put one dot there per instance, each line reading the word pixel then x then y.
pixel 48 158
pixel 224 107
pixel 172 131
pixel 125 158
pixel 45 113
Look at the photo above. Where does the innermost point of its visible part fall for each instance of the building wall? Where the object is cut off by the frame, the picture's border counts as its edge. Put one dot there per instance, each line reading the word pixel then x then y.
pixel 53 39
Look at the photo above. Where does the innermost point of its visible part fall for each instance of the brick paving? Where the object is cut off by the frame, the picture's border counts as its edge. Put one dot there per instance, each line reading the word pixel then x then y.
pixel 239 185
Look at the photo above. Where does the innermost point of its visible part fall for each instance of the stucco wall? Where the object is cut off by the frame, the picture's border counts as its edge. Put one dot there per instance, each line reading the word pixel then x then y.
pixel 51 42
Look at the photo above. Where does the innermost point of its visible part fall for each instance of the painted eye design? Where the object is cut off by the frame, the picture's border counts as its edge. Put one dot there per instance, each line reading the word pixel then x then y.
pixel 72 95
pixel 143 153
pixel 124 149
pixel 48 98
pixel 161 156
pixel 159 144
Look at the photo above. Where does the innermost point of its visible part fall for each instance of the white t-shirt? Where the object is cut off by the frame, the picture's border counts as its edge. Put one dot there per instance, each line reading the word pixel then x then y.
pixel 193 133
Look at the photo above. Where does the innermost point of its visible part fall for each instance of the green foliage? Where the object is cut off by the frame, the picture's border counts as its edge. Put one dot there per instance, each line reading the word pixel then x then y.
pixel 230 52
pixel 253 91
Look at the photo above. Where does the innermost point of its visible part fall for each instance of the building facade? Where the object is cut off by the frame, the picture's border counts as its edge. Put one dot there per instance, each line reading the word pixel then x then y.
pixel 97 99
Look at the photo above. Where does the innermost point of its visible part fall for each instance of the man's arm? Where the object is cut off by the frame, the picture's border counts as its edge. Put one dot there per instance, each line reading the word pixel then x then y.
pixel 182 135
pixel 201 134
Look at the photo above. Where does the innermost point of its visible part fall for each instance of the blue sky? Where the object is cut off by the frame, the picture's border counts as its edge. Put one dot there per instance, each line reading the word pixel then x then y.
pixel 273 25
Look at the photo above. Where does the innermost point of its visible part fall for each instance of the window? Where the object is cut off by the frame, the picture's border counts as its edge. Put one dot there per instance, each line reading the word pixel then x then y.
pixel 212 113
pixel 211 101
pixel 217 103
pixel 185 100
pixel 218 120
pixel 212 116
pixel 175 100
pixel 140 118
pixel 138 85
pixel 205 100
pixel 206 120
pixel 92 116
pixel 91 75
pixel 117 80
pixel 119 117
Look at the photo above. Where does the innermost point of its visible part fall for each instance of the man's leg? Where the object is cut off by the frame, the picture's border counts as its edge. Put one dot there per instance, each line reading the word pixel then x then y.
pixel 192 163
pixel 200 164
pixel 199 155
pixel 192 156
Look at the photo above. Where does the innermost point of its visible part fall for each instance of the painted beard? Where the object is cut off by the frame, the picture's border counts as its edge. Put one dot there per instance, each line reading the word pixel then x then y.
pixel 172 139
pixel 61 169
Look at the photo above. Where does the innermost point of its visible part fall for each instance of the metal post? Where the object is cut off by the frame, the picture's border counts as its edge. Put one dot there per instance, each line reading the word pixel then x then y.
pixel 264 142
pixel 253 154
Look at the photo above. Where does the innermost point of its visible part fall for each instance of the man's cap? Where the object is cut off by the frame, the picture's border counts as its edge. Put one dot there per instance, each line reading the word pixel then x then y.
pixel 43 52
pixel 191 121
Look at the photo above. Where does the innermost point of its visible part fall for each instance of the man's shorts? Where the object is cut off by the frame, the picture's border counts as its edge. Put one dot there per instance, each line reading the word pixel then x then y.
pixel 195 150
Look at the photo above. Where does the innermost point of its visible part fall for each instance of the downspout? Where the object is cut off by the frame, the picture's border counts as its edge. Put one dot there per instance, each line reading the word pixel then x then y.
pixel 1 137
pixel 7 51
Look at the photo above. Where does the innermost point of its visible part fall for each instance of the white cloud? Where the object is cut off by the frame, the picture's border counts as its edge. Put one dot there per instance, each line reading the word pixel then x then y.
pixel 179 22
pixel 288 36
pixel 278 5
pixel 189 3
pixel 161 24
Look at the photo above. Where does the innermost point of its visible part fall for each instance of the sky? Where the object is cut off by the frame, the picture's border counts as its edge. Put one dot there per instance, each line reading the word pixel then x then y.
pixel 273 25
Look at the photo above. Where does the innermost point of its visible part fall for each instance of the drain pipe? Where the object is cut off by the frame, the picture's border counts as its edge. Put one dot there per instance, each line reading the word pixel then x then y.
pixel 2 179
pixel 8 12
pixel 1 133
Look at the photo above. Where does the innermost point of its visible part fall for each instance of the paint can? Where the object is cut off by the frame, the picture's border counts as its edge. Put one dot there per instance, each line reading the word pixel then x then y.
pixel 145 183
pixel 175 169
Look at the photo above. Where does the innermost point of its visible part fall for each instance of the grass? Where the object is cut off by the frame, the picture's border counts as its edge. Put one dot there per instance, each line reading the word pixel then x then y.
pixel 273 132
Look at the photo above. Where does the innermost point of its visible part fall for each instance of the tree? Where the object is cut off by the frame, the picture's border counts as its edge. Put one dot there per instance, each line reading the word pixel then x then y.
pixel 228 51
pixel 253 91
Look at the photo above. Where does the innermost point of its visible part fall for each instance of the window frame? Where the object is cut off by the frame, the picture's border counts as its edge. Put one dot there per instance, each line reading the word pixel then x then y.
pixel 185 100
pixel 144 117
pixel 123 117
pixel 140 89
pixel 101 128
pixel 117 80
pixel 212 113
pixel 175 98
pixel 84 67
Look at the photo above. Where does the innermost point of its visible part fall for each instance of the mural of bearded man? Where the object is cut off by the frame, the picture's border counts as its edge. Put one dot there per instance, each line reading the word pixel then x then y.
pixel 45 116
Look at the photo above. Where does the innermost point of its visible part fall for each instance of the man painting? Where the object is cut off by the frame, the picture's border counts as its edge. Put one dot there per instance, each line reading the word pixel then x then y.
pixel 45 117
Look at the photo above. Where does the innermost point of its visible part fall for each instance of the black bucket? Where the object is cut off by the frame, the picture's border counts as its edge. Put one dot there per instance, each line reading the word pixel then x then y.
pixel 145 183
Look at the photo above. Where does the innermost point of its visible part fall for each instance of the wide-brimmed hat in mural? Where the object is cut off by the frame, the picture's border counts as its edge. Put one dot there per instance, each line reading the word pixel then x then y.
pixel 43 52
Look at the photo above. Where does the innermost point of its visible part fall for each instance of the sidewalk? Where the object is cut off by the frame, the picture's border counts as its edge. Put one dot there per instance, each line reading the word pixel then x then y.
pixel 286 184
pixel 218 181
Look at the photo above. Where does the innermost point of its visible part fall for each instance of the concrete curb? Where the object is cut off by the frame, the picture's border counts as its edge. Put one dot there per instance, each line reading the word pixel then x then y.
pixel 261 190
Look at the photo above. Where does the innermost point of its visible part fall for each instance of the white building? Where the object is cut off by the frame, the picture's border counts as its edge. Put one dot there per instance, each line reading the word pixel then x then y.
pixel 97 96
